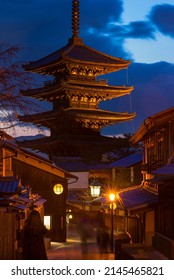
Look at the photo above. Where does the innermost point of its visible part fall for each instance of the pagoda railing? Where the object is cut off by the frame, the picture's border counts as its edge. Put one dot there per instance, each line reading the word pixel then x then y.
pixel 87 79
pixel 99 81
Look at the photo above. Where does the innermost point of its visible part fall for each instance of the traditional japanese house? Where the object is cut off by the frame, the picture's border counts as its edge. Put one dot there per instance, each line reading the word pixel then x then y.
pixel 121 173
pixel 16 202
pixel 75 92
pixel 43 178
pixel 157 136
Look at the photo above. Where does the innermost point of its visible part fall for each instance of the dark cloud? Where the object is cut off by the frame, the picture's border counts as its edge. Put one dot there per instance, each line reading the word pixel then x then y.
pixel 162 16
pixel 106 44
pixel 141 29
pixel 117 32
pixel 97 13
pixel 42 26
pixel 153 92
pixel 111 37
pixel 36 24
pixel 137 29
pixel 96 30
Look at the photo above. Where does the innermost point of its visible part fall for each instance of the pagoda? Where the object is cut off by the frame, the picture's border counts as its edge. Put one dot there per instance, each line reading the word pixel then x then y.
pixel 75 92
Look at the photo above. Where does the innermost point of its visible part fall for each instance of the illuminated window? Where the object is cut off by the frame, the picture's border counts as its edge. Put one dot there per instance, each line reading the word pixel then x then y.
pixel 47 222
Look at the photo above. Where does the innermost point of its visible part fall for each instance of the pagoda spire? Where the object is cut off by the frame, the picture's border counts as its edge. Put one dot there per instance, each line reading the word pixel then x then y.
pixel 75 18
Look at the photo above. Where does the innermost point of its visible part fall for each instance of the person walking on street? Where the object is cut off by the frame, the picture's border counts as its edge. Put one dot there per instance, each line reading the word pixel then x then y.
pixel 102 235
pixel 33 238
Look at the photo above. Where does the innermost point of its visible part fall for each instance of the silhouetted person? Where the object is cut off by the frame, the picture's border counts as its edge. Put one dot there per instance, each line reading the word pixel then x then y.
pixel 33 238
pixel 102 235
pixel 103 241
pixel 100 221
pixel 84 235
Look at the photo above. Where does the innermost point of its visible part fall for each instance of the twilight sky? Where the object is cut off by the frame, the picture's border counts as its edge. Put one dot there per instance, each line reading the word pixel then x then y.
pixel 142 31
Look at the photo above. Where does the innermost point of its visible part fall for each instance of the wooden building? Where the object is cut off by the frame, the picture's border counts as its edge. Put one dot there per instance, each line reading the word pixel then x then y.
pixel 157 136
pixel 139 206
pixel 43 178
pixel 75 92
pixel 121 173
pixel 16 202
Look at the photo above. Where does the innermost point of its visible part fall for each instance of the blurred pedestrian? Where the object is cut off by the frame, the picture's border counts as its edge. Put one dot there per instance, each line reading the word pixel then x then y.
pixel 100 221
pixel 102 235
pixel 33 238
pixel 85 229
pixel 103 238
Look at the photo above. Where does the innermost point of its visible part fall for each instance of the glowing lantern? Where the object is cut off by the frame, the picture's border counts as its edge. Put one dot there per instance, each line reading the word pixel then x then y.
pixel 58 189
pixel 95 189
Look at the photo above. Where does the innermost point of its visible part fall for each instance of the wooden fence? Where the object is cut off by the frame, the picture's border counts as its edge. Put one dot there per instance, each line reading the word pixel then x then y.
pixel 7 235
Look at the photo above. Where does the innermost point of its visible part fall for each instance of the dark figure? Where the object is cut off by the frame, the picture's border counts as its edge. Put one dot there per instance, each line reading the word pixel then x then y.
pixel 102 235
pixel 33 238
pixel 84 234
pixel 100 221
pixel 103 241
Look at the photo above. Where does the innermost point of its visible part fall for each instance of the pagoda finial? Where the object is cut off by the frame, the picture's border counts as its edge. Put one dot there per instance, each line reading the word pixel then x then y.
pixel 75 18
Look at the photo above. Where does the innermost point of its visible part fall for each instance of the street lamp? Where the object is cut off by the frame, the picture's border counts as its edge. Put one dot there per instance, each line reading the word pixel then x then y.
pixel 112 206
pixel 95 189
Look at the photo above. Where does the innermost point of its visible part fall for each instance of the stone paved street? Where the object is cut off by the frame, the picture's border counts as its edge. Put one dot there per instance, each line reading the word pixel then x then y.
pixel 73 249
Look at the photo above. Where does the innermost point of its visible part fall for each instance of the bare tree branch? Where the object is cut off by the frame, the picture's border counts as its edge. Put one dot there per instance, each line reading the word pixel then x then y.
pixel 13 79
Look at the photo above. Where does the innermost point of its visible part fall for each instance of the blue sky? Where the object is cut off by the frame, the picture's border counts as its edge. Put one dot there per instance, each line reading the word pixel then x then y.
pixel 146 11
pixel 142 31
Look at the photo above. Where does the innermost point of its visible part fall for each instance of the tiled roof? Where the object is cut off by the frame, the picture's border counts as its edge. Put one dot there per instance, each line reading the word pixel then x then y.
pixel 22 202
pixel 8 184
pixel 166 170
pixel 136 198
pixel 128 161
pixel 85 53
pixel 82 113
pixel 79 52
pixel 75 165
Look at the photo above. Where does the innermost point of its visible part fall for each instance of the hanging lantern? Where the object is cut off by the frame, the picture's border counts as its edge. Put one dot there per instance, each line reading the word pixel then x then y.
pixel 58 189
pixel 95 189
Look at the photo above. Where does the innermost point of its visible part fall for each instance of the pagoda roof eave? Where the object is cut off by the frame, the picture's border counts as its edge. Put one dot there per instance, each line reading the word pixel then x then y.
pixel 99 114
pixel 66 139
pixel 77 113
pixel 47 69
pixel 77 53
pixel 44 92
pixel 117 65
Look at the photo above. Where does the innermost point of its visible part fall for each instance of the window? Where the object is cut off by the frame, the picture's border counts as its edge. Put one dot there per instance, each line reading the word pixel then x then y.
pixel 47 222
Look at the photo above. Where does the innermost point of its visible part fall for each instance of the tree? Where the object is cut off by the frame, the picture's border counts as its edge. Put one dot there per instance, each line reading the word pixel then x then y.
pixel 12 80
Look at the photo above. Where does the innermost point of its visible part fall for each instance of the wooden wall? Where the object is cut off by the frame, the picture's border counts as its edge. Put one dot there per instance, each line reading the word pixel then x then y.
pixel 7 235
pixel 42 182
